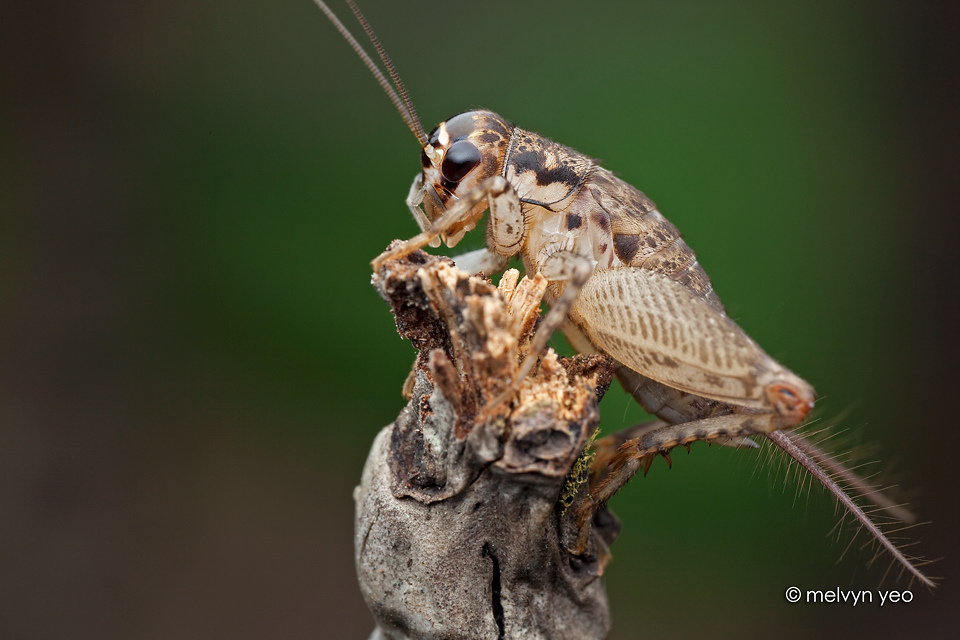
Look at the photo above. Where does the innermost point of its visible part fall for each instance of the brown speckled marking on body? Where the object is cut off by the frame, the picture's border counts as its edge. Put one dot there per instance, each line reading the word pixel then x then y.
pixel 643 238
pixel 542 172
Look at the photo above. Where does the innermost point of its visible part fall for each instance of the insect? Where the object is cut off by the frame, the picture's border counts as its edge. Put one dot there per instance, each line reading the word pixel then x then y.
pixel 621 282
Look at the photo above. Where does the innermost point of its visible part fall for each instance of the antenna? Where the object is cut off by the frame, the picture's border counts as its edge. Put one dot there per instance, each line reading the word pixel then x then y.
pixel 404 105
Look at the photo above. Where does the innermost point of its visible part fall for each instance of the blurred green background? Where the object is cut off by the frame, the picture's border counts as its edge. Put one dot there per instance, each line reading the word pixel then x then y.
pixel 193 363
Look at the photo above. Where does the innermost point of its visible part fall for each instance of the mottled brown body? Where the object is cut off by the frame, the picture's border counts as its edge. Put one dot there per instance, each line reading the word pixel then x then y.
pixel 567 202
pixel 621 281
pixel 648 302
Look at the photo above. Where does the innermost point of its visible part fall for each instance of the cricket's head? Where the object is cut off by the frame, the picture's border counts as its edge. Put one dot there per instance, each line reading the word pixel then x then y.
pixel 459 154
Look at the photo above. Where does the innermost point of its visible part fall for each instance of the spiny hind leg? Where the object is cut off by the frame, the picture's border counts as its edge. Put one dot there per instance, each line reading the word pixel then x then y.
pixel 640 452
pixel 606 449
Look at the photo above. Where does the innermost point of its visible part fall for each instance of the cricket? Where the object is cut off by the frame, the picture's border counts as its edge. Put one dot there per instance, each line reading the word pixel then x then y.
pixel 621 282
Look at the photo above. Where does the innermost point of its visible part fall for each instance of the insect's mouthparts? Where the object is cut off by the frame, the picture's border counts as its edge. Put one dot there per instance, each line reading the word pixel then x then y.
pixel 433 205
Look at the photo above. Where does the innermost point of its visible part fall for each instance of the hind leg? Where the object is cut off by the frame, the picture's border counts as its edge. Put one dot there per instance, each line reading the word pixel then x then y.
pixel 641 451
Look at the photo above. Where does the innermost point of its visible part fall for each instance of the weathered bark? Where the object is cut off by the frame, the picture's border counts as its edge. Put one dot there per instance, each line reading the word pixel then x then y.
pixel 461 529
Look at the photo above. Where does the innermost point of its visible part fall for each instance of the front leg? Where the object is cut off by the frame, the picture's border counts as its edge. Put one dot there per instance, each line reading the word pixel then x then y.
pixel 506 221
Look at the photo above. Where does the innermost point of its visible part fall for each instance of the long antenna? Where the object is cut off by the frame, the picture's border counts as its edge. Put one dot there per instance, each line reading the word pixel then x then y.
pixel 404 105
pixel 397 82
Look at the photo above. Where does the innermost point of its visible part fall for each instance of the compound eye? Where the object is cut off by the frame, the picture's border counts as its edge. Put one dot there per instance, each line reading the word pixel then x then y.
pixel 459 160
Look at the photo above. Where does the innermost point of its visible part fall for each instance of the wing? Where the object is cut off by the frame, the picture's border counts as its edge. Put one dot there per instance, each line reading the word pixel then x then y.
pixel 661 329
pixel 644 239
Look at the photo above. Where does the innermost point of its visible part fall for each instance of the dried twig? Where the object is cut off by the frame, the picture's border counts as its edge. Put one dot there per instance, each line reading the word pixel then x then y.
pixel 459 530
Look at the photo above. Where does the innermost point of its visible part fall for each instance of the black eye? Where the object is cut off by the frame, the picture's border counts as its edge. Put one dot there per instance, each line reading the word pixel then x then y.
pixel 459 159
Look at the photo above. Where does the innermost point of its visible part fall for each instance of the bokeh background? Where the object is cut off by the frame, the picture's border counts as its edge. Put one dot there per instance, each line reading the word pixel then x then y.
pixel 193 363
